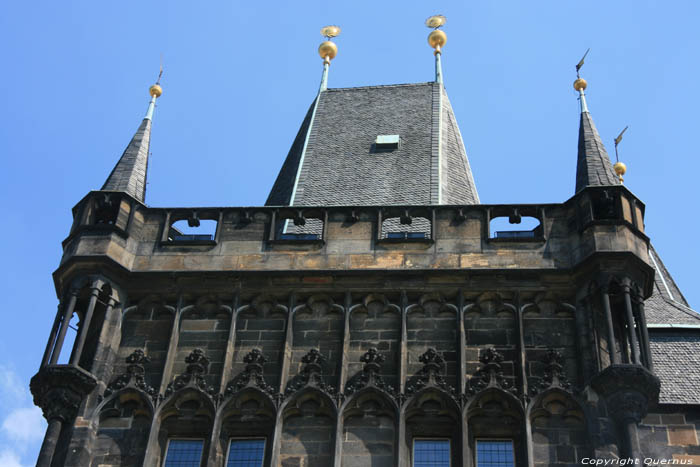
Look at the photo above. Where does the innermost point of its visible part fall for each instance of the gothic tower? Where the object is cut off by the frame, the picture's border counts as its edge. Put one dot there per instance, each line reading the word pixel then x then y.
pixel 368 313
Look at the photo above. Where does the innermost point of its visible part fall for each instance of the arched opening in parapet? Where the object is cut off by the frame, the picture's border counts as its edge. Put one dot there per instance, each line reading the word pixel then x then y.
pixel 308 427
pixel 557 425
pixel 369 430
pixel 406 228
pixel 515 227
pixel 192 230
pixel 433 428
pixel 123 425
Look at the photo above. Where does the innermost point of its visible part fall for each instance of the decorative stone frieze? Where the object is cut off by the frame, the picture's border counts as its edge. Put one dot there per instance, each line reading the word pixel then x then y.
pixel 134 376
pixel 197 367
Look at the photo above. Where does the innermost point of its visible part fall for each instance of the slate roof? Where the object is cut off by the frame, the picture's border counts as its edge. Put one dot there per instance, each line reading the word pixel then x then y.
pixel 129 175
pixel 677 363
pixel 336 163
pixel 593 167
pixel 667 305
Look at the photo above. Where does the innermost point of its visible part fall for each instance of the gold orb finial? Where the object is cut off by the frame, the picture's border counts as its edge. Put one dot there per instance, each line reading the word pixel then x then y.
pixel 580 84
pixel 437 39
pixel 155 90
pixel 327 50
pixel 435 21
pixel 620 169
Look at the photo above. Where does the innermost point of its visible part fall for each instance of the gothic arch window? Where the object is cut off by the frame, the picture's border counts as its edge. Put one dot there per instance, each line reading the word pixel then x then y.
pixel 248 415
pixel 186 415
pixel 495 414
pixel 434 416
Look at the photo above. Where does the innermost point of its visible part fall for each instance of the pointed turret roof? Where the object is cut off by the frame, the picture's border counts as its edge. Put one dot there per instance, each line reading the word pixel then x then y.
pixel 129 175
pixel 593 167
pixel 335 160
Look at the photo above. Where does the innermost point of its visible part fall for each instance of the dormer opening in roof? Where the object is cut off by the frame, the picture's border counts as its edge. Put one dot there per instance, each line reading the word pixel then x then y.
pixel 437 40
pixel 327 50
pixel 385 143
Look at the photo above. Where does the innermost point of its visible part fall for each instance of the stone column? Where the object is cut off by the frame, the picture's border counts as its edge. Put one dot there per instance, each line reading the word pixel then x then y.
pixel 85 326
pixel 52 338
pixel 48 447
pixel 612 349
pixel 645 334
pixel 67 314
pixel 630 324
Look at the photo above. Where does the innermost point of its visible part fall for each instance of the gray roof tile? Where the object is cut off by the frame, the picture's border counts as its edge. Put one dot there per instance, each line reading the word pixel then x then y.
pixel 341 166
pixel 593 166
pixel 129 175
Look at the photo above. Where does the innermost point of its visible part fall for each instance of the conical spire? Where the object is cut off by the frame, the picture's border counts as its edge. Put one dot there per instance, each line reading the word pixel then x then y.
pixel 593 167
pixel 129 175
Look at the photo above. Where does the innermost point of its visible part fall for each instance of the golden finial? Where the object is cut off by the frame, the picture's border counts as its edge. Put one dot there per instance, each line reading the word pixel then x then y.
pixel 328 50
pixel 580 84
pixel 155 90
pixel 619 167
pixel 437 38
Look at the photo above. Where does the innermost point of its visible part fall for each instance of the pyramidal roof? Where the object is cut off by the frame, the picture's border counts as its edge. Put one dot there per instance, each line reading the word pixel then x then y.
pixel 593 167
pixel 129 175
pixel 334 160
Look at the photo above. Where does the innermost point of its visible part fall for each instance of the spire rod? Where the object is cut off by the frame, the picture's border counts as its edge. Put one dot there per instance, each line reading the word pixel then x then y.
pixel 155 91
pixel 580 84
pixel 437 39
pixel 327 50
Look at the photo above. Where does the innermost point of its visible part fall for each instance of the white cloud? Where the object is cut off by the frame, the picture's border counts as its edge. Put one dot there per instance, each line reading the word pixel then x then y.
pixel 9 459
pixel 24 425
pixel 12 390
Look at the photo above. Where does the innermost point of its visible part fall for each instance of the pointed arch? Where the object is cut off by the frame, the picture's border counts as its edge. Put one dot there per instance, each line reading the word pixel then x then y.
pixel 369 426
pixel 557 419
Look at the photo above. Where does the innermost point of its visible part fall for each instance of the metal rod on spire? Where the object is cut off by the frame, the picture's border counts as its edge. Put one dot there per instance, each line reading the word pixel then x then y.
pixel 437 39
pixel 155 91
pixel 580 84
pixel 327 50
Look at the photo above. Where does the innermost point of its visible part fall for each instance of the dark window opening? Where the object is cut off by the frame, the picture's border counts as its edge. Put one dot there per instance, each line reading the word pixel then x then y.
pixel 246 453
pixel 184 453
pixel 494 453
pixel 516 227
pixel 431 453
pixel 106 211
pixel 405 235
pixel 604 205
pixel 299 229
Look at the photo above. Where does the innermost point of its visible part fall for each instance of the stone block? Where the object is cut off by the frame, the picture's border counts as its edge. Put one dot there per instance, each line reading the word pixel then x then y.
pixel 682 435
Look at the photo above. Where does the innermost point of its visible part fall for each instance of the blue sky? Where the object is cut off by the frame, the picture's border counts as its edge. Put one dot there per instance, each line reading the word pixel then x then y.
pixel 239 77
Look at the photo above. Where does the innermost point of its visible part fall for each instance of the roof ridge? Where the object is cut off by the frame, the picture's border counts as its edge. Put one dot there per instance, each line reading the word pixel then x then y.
pixel 375 86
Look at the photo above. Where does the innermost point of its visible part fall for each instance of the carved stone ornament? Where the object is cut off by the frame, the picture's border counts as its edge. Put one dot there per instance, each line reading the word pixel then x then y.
pixel 370 374
pixel 431 373
pixel 252 376
pixel 197 367
pixel 629 391
pixel 489 375
pixel 310 375
pixel 134 376
pixel 554 376
pixel 59 390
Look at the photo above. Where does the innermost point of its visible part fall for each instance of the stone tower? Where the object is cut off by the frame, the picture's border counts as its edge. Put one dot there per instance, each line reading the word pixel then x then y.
pixel 368 313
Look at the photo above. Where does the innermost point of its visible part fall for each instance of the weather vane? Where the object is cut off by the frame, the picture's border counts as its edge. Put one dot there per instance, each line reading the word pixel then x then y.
pixel 580 63
pixel 327 50
pixel 437 39
pixel 620 168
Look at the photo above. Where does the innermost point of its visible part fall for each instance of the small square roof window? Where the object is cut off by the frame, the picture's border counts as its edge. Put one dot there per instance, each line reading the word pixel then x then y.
pixel 387 142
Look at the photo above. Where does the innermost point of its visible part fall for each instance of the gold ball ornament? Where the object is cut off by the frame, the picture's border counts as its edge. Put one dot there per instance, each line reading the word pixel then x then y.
pixel 155 90
pixel 327 49
pixel 437 38
pixel 580 84
pixel 620 168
